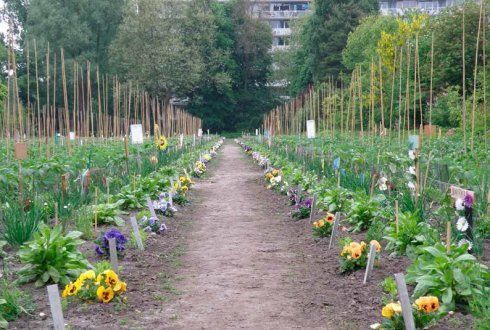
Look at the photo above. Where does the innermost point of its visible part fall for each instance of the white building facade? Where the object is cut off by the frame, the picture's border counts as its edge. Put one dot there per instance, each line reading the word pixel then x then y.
pixel 399 7
pixel 279 14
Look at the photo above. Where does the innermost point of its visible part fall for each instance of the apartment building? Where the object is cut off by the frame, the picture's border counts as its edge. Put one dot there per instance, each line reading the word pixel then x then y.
pixel 397 7
pixel 279 14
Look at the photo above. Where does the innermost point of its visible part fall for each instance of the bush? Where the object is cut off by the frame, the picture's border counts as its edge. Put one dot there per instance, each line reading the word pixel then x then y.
pixel 362 212
pixel 51 257
pixel 376 231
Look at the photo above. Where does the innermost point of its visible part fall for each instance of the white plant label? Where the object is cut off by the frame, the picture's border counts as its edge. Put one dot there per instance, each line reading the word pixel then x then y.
pixel 199 132
pixel 113 254
pixel 150 207
pixel 310 129
pixel 335 228
pixel 136 232
pixel 55 306
pixel 405 301
pixel 136 134
pixel 370 263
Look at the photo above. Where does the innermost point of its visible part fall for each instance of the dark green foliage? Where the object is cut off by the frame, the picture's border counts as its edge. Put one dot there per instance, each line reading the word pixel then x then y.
pixel 17 225
pixel 324 36
pixel 52 257
pixel 375 231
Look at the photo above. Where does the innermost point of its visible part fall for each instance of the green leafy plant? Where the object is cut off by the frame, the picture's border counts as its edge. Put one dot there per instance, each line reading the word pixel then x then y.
pixel 334 200
pixel 376 230
pixel 411 232
pixel 3 322
pixel 455 276
pixel 389 289
pixel 109 214
pixel 362 212
pixel 15 303
pixel 52 257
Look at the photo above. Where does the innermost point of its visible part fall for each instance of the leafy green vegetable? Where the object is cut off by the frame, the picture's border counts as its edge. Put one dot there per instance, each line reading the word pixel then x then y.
pixel 52 257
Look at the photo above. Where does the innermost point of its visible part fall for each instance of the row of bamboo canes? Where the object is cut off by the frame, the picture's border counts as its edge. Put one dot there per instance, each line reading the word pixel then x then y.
pixel 345 107
pixel 99 106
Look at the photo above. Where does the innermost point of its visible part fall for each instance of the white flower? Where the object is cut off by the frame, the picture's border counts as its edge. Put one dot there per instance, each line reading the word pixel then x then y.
pixel 465 241
pixel 65 207
pixel 459 204
pixel 462 224
pixel 375 326
pixel 383 180
pixel 45 204
pixel 411 185
pixel 411 154
pixel 383 187
pixel 411 170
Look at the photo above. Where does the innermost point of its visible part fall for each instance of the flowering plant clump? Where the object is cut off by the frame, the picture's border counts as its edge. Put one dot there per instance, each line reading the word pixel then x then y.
pixel 152 225
pixel 89 286
pixel 464 211
pixel 199 169
pixel 164 204
pixel 302 209
pixel 355 255
pixel 206 158
pixel 179 193
pixel 273 178
pixel 186 180
pixel 323 227
pixel 248 150
pixel 102 246
pixel 425 312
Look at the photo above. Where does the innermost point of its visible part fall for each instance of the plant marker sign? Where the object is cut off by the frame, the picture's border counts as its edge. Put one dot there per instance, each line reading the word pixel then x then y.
pixel 113 254
pixel 72 136
pixel 20 150
pixel 199 132
pixel 136 232
pixel 55 306
pixel 151 208
pixel 405 301
pixel 335 229
pixel 136 134
pixel 370 263
pixel 310 129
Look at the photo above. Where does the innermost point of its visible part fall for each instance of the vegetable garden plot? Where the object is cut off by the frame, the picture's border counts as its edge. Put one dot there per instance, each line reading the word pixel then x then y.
pixel 364 191
pixel 57 254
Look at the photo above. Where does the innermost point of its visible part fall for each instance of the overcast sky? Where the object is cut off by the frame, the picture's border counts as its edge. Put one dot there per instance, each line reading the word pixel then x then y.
pixel 3 25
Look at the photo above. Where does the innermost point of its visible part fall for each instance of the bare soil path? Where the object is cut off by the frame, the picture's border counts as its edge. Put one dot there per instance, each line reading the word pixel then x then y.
pixel 239 270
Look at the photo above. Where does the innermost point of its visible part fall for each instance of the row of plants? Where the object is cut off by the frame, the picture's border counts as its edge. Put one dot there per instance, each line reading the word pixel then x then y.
pixel 446 275
pixel 53 254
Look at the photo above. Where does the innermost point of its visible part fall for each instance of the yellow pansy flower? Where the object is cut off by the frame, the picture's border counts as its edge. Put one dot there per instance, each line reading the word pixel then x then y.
pixel 105 295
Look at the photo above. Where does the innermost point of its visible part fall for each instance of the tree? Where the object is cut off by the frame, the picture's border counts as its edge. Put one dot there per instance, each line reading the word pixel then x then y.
pixel 154 49
pixel 324 36
pixel 83 28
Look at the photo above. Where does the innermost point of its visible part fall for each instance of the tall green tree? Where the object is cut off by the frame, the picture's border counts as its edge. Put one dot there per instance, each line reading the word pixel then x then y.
pixel 83 28
pixel 154 48
pixel 324 36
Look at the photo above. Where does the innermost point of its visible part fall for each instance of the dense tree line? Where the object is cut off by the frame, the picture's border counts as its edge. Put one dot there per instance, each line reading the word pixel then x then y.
pixel 210 54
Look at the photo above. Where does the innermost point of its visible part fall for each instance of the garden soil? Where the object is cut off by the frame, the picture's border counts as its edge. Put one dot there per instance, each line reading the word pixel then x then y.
pixel 233 259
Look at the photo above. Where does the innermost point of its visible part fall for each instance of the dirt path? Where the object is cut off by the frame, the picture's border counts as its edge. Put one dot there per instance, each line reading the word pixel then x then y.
pixel 238 271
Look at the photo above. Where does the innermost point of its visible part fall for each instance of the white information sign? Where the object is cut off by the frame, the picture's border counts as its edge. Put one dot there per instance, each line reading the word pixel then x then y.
pixel 72 136
pixel 137 134
pixel 310 129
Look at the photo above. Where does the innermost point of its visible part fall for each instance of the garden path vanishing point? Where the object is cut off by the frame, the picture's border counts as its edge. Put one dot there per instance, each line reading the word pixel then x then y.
pixel 248 265
pixel 239 271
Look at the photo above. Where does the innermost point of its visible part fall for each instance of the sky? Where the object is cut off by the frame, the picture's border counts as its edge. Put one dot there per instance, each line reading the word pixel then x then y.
pixel 3 25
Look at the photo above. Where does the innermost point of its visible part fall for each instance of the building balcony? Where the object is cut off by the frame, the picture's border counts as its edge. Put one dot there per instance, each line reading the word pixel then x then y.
pixel 281 32
pixel 280 14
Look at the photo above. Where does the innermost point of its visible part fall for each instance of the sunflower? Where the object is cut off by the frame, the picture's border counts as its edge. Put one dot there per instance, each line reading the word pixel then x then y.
pixel 105 295
pixel 162 142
